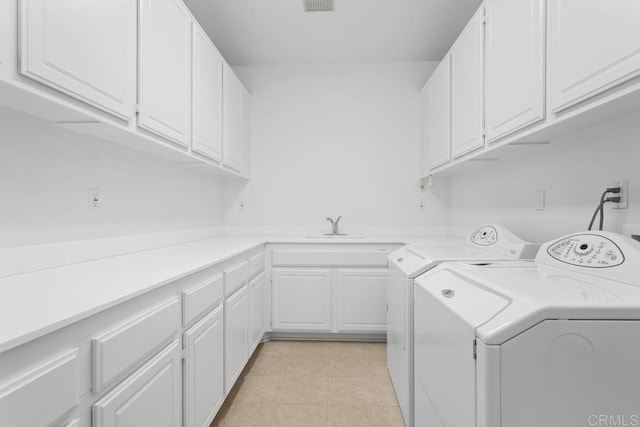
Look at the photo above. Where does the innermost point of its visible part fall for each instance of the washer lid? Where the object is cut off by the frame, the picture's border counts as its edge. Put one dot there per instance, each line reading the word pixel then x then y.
pixel 415 260
pixel 488 243
pixel 536 293
pixel 471 305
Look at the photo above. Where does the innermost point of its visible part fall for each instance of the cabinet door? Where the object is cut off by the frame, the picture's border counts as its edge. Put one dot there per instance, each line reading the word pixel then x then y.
pixel 165 69
pixel 152 396
pixel 84 49
pixel 362 300
pixel 301 300
pixel 514 66
pixel 246 133
pixel 204 370
pixel 436 110
pixel 235 113
pixel 467 82
pixel 207 96
pixel 257 310
pixel 594 45
pixel 236 341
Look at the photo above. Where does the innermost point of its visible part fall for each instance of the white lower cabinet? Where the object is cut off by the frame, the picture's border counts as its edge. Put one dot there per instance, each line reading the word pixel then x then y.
pixel 50 387
pixel 301 299
pixel 204 369
pixel 362 300
pixel 329 288
pixel 257 310
pixel 236 340
pixel 152 396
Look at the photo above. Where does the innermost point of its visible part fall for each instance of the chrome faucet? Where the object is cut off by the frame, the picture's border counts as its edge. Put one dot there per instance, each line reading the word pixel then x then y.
pixel 334 225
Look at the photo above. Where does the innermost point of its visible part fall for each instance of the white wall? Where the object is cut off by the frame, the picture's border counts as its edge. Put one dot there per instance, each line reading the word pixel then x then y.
pixel 45 173
pixel 573 170
pixel 334 139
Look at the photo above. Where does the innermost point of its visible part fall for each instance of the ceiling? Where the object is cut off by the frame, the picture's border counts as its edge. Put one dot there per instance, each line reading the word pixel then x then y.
pixel 261 32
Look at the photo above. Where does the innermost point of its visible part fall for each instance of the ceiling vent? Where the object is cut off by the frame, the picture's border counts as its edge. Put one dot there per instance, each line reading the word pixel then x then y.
pixel 319 5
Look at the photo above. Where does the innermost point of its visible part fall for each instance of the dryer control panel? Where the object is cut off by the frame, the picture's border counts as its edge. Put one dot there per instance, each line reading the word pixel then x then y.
pixel 499 240
pixel 587 250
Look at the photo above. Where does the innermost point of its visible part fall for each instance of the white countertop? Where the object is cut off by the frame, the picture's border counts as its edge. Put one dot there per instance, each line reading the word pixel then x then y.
pixel 36 303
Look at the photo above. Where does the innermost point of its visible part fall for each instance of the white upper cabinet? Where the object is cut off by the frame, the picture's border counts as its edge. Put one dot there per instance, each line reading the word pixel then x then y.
pixel 467 83
pixel 85 49
pixel 593 46
pixel 236 123
pixel 514 66
pixel 436 118
pixel 164 92
pixel 207 96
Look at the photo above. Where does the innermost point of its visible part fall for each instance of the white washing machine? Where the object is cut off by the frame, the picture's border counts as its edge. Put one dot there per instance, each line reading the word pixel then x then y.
pixel 555 343
pixel 489 243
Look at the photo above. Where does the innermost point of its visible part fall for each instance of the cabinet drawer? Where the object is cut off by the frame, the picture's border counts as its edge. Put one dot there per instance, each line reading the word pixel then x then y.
pixel 120 348
pixel 202 297
pixel 256 264
pixel 235 277
pixel 42 395
pixel 372 258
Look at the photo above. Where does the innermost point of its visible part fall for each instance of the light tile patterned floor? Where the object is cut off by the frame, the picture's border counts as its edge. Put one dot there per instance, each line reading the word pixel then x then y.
pixel 313 383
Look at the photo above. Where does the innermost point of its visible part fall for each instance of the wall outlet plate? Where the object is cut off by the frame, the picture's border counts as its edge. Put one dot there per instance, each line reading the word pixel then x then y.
pixel 624 194
pixel 94 198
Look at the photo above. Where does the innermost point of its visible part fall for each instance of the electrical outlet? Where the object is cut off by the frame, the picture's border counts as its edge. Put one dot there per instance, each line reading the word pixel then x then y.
pixel 624 194
pixel 94 199
pixel 421 206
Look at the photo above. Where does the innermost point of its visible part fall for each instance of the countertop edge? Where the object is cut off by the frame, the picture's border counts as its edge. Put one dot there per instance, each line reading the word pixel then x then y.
pixel 252 242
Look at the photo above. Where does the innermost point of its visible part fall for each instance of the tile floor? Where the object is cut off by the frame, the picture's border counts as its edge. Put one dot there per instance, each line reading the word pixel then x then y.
pixel 312 383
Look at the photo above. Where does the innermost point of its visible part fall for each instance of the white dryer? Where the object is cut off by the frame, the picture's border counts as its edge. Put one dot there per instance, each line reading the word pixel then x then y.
pixel 485 244
pixel 554 343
